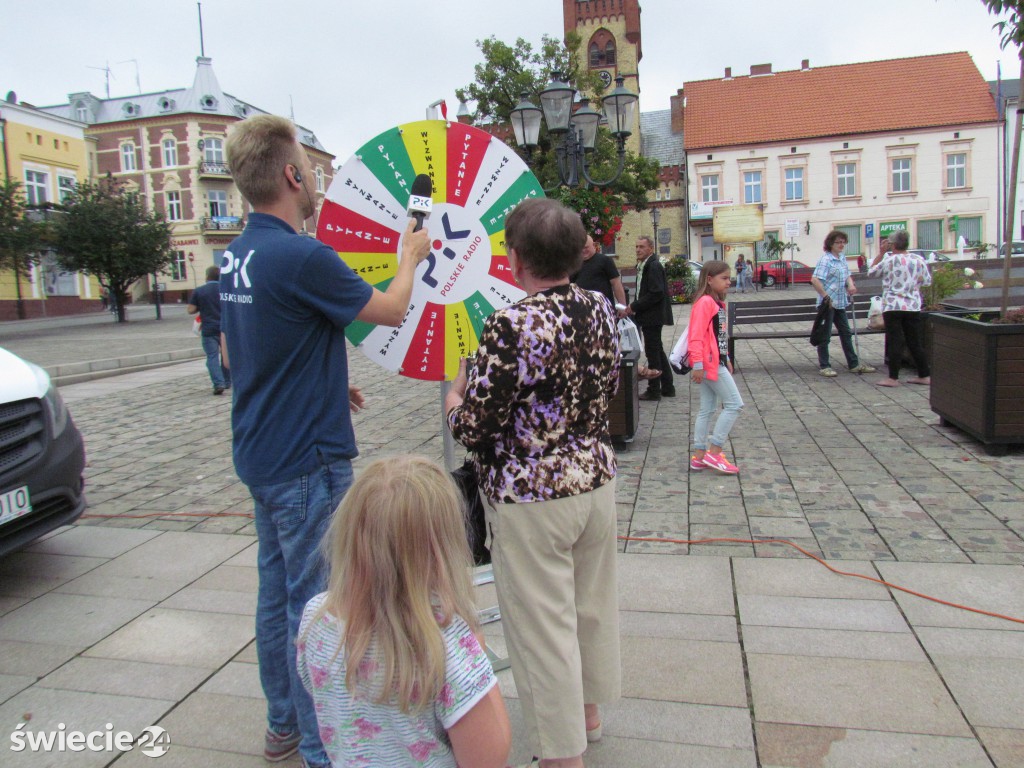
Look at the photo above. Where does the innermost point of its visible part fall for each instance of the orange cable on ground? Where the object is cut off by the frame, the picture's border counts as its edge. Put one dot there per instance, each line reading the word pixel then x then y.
pixel 834 570
pixel 658 541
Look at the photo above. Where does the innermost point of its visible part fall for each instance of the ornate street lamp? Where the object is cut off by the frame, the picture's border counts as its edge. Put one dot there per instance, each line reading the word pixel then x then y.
pixel 575 132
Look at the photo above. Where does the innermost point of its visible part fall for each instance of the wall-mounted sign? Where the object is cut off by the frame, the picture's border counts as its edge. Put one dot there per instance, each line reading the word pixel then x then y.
pixel 886 228
pixel 706 210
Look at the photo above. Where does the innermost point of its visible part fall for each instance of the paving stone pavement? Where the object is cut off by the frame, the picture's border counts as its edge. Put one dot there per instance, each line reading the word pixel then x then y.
pixel 743 654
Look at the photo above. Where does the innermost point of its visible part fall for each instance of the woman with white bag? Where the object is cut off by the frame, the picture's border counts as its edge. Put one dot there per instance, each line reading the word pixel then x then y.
pixel 903 275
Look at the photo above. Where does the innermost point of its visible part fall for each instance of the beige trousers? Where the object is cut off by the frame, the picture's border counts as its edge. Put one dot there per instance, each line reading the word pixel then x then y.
pixel 555 575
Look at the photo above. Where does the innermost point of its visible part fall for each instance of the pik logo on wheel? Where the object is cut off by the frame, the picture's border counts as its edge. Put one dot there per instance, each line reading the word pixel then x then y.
pixel 477 181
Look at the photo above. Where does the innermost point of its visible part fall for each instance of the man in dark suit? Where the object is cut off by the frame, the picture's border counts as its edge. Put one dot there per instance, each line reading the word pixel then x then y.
pixel 652 310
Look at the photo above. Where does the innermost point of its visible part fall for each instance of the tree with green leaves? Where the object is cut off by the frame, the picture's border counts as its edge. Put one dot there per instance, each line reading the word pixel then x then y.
pixel 1011 31
pixel 20 236
pixel 509 71
pixel 108 232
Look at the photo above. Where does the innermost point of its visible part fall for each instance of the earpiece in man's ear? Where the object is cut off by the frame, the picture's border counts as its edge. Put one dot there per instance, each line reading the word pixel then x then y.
pixel 298 177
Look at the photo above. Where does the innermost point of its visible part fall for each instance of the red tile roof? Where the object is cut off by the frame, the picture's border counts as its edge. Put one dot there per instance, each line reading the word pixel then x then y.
pixel 899 94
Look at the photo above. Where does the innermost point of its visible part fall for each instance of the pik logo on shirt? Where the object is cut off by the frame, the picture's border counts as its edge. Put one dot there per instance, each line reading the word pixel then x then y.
pixel 233 264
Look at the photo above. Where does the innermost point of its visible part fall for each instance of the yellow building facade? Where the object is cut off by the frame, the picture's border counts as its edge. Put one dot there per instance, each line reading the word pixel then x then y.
pixel 48 155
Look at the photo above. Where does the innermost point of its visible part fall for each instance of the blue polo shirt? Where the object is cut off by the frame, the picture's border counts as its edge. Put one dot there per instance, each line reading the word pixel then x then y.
pixel 285 302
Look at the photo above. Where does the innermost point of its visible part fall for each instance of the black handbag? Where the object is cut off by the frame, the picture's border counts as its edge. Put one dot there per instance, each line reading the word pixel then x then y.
pixel 819 331
pixel 476 527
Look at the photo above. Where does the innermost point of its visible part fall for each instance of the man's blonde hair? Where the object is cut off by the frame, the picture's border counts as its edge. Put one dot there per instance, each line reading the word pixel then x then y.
pixel 399 569
pixel 257 149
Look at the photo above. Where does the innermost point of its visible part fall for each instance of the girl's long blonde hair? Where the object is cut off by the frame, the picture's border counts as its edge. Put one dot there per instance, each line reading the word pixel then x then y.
pixel 400 568
pixel 710 269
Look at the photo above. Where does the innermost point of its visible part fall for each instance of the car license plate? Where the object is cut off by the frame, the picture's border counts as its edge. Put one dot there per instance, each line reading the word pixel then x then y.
pixel 14 504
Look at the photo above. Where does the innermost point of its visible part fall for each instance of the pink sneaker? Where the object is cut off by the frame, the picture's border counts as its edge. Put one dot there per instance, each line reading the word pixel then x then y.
pixel 722 464
pixel 696 464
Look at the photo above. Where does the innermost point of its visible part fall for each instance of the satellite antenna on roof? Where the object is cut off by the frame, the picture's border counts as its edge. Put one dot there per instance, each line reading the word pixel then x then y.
pixel 138 83
pixel 109 75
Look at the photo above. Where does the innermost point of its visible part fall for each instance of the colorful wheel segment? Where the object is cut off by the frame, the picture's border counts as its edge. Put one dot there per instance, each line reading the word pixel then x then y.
pixel 478 180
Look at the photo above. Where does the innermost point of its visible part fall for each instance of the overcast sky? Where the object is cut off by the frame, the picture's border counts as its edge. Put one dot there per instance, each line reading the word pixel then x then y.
pixel 350 70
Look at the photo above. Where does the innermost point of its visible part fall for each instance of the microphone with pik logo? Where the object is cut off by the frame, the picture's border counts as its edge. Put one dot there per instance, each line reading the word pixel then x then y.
pixel 420 202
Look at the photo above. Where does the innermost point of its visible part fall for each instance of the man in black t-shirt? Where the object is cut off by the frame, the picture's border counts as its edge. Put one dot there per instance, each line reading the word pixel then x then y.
pixel 599 273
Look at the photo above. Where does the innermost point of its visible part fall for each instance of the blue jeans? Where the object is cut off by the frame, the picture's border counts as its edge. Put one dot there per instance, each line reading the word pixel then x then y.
pixel 291 519
pixel 842 324
pixel 712 393
pixel 219 375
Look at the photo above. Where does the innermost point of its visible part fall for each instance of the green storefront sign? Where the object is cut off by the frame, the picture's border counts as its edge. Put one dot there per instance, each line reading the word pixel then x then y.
pixel 886 228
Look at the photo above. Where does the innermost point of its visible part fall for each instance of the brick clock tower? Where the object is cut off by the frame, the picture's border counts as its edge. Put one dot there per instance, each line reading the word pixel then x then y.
pixel 610 33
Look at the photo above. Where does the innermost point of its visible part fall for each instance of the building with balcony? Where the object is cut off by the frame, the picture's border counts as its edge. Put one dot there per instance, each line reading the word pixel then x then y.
pixel 48 155
pixel 169 147
pixel 865 148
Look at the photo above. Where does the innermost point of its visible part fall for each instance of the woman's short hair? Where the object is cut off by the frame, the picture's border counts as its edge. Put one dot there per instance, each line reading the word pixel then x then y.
pixel 258 149
pixel 548 237
pixel 835 234
pixel 899 240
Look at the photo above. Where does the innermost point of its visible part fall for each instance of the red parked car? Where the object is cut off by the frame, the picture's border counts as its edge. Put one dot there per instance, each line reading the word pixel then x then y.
pixel 772 272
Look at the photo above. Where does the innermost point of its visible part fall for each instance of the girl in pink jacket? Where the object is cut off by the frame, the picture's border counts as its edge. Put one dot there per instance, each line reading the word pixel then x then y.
pixel 708 346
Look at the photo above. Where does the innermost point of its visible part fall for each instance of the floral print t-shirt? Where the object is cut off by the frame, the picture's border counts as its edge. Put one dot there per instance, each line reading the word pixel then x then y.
pixel 903 274
pixel 356 731
pixel 536 407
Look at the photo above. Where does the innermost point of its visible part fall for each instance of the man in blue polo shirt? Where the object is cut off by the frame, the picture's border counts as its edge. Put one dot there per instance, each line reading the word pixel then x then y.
pixel 286 300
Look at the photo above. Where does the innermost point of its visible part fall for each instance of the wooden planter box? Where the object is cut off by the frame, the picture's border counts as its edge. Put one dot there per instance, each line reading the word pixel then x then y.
pixel 978 379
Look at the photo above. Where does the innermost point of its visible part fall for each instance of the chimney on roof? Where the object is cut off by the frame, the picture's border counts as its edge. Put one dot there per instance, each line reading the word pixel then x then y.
pixel 805 65
pixel 760 69
pixel 728 73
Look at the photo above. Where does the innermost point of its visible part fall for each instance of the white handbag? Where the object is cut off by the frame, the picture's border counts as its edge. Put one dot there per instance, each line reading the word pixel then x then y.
pixel 680 357
pixel 629 336
pixel 875 319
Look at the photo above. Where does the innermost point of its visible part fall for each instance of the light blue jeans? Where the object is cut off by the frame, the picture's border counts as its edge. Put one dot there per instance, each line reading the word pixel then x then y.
pixel 291 519
pixel 219 375
pixel 712 393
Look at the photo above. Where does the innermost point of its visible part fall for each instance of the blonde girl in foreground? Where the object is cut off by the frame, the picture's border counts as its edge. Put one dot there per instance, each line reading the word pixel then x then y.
pixel 712 369
pixel 391 652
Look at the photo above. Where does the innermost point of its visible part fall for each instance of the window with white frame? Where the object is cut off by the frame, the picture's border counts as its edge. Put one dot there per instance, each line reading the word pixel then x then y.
pixel 37 184
pixel 213 150
pixel 174 206
pixel 846 180
pixel 852 232
pixel 657 194
pixel 901 174
pixel 179 266
pixel 65 187
pixel 956 170
pixel 128 157
pixel 218 202
pixel 709 188
pixel 668 193
pixel 752 187
pixel 170 152
pixel 319 179
pixel 794 184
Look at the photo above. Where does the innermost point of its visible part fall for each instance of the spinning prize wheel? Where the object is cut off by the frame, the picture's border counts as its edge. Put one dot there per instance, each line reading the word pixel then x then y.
pixel 477 181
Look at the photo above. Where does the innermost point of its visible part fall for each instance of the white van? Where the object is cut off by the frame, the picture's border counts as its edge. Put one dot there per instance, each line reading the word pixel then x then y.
pixel 41 456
